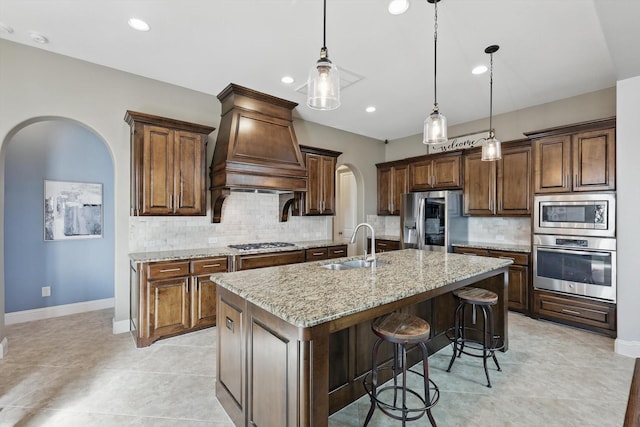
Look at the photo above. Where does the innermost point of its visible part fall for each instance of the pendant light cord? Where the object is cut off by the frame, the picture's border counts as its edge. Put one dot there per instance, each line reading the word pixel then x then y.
pixel 324 26
pixel 435 54
pixel 491 97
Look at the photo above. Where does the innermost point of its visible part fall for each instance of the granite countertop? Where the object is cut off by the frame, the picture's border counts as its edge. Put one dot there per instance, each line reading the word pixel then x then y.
pixel 224 251
pixel 307 294
pixel 495 246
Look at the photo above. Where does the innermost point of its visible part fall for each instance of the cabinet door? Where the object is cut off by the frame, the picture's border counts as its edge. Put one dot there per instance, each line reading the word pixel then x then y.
pixel 518 285
pixel 168 306
pixel 553 166
pixel 328 185
pixel 594 160
pixel 157 174
pixel 421 175
pixel 400 185
pixel 384 190
pixel 189 175
pixel 314 184
pixel 514 182
pixel 479 186
pixel 203 302
pixel 446 172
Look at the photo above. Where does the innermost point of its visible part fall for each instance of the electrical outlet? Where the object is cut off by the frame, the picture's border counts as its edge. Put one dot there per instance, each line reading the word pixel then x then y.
pixel 46 291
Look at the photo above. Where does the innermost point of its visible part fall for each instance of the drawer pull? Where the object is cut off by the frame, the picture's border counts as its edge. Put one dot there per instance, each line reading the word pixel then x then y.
pixel 339 252
pixel 317 253
pixel 507 257
pixel 382 244
pixel 577 313
pixel 169 270
pixel 229 324
pixel 211 265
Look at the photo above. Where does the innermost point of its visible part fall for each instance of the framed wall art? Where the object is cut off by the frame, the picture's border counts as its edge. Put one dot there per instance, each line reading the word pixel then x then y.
pixel 72 210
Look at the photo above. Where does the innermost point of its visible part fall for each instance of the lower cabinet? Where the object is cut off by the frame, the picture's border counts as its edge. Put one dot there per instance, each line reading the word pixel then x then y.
pixel 518 274
pixel 172 297
pixel 384 245
pixel 586 313
pixel 330 252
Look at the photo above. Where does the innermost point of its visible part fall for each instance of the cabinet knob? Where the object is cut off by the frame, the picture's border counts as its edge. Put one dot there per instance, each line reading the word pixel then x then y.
pixel 229 324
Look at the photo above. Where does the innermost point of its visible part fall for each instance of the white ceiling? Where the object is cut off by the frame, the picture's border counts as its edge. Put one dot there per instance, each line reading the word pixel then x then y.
pixel 549 50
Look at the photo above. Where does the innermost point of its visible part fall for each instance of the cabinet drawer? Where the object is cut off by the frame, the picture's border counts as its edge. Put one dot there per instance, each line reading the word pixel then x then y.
pixel 246 262
pixel 338 251
pixel 584 312
pixel 471 251
pixel 316 254
pixel 387 245
pixel 165 270
pixel 209 265
pixel 518 258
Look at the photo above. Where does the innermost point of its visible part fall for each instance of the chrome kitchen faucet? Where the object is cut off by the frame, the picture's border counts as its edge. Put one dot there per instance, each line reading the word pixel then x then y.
pixel 371 258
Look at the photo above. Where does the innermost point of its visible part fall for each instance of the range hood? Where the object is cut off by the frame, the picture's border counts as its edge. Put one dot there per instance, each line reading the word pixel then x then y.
pixel 256 148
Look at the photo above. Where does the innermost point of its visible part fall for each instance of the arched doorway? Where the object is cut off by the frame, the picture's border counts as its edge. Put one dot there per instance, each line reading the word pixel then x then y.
pixel 76 269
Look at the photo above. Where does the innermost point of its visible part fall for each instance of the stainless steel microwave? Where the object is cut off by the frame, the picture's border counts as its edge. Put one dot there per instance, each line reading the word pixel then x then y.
pixel 576 214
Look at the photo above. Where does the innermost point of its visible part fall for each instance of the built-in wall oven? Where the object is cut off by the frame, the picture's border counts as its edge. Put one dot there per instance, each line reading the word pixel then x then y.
pixel 574 245
pixel 579 265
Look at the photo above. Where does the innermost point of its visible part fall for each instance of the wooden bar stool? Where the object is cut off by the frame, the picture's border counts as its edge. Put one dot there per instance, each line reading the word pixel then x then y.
pixel 401 329
pixel 488 344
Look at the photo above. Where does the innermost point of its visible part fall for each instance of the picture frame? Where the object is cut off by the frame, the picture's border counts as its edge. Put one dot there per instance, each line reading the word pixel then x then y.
pixel 72 210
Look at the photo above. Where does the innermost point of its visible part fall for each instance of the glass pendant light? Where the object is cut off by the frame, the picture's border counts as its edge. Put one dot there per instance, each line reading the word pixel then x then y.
pixel 491 149
pixel 323 85
pixel 435 126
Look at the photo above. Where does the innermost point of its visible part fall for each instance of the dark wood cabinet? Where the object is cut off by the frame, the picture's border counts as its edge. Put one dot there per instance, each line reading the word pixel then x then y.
pixel 518 296
pixel 329 252
pixel 167 165
pixel 578 157
pixel 320 197
pixel 270 259
pixel 435 172
pixel 501 187
pixel 586 313
pixel 384 245
pixel 393 180
pixel 172 297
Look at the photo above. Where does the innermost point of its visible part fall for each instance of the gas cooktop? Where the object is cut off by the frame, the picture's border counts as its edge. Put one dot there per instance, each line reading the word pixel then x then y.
pixel 264 245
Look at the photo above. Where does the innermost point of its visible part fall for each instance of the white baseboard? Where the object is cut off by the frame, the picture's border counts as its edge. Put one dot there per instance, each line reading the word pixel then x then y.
pixel 121 326
pixel 627 348
pixel 57 311
pixel 4 347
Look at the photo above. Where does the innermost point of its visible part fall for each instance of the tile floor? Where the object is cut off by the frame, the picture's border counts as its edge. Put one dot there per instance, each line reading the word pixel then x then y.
pixel 72 371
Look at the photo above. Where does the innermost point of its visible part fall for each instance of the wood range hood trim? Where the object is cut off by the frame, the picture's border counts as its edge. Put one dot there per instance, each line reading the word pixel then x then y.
pixel 256 148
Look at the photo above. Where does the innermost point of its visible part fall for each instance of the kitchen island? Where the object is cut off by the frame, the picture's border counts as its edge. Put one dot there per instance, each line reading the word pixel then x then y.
pixel 294 341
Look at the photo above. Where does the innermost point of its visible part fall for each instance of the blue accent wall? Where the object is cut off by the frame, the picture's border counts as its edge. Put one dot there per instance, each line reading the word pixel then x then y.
pixel 77 270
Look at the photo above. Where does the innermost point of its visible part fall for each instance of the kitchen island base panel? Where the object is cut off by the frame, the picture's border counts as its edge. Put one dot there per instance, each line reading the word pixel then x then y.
pixel 297 376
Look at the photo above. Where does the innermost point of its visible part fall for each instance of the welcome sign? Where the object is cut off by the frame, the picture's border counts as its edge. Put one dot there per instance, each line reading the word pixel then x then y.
pixel 459 143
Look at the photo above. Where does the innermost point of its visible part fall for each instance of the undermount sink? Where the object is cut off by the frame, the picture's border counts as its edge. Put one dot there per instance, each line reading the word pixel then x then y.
pixel 348 265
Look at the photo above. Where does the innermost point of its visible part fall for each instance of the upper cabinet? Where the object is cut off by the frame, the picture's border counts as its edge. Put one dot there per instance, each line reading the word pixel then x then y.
pixel 168 165
pixel 435 172
pixel 393 180
pixel 580 157
pixel 320 197
pixel 501 187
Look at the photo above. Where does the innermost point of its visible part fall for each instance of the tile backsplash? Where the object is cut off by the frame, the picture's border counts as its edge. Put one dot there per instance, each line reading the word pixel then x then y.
pixel 511 230
pixel 246 218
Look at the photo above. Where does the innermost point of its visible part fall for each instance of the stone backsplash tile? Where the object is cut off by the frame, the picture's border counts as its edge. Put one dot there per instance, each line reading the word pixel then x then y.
pixel 246 218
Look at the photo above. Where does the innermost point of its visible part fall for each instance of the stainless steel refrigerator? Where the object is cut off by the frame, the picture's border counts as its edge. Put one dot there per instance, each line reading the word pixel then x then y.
pixel 432 220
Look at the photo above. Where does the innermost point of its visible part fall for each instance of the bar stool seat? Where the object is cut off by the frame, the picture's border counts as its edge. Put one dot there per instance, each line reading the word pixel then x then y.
pixel 401 329
pixel 488 344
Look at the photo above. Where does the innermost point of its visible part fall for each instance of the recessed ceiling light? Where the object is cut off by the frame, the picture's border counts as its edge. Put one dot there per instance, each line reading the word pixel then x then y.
pixel 139 24
pixel 287 80
pixel 480 69
pixel 5 28
pixel 38 38
pixel 398 7
pixel 370 109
